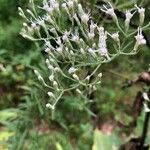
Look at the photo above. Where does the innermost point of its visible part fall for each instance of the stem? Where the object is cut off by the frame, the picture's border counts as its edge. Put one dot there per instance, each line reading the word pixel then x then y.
pixel 145 130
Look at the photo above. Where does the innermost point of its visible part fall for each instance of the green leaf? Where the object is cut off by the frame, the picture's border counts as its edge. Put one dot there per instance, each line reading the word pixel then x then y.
pixel 7 114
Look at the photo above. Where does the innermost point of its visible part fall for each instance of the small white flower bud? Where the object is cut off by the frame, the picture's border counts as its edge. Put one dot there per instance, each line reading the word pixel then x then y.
pixel 75 76
pixel 94 88
pixel 115 36
pixel 50 94
pixel 82 51
pixel 30 12
pixel 48 105
pixel 52 60
pixel 50 67
pixel 87 78
pixel 99 82
pixel 33 25
pixel 51 77
pixel 40 78
pixel 71 52
pixel 78 91
pixel 100 75
pixel 25 24
pixel 57 69
pixel 55 84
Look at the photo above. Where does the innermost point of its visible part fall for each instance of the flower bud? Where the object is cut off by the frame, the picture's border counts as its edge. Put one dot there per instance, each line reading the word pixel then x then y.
pixel 75 76
pixel 50 94
pixel 55 84
pixel 51 77
pixel 78 91
pixel 100 75
pixel 48 105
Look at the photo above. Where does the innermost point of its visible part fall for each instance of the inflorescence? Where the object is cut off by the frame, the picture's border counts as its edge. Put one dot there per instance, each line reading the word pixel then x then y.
pixel 74 42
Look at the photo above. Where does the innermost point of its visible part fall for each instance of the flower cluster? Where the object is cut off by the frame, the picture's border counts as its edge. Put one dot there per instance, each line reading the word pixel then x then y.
pixel 74 42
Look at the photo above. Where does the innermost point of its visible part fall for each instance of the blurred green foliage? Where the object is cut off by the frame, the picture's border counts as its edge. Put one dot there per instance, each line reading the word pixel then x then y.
pixel 25 122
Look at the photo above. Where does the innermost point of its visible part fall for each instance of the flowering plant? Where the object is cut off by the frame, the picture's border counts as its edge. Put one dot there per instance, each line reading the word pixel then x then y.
pixel 76 44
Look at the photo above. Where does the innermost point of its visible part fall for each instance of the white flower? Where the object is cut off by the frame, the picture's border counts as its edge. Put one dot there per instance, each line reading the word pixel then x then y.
pixel 47 8
pixel 102 42
pixel 146 108
pixel 140 38
pixel 64 5
pixel 75 38
pixel 33 25
pixel 92 27
pixel 84 16
pixel 91 35
pixel 72 70
pixel 128 15
pixel 54 4
pixel 65 36
pixel 145 96
pixel 59 49
pixel 92 52
pixel 49 19
pixel 103 51
pixel 58 41
pixel 141 11
pixel 110 11
pixel 70 3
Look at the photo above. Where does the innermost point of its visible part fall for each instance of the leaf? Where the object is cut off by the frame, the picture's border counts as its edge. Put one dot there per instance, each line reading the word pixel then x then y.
pixel 5 135
pixel 105 142
pixel 58 146
pixel 7 114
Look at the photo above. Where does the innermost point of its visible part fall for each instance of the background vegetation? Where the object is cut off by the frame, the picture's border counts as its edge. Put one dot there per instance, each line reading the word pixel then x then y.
pixel 25 123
